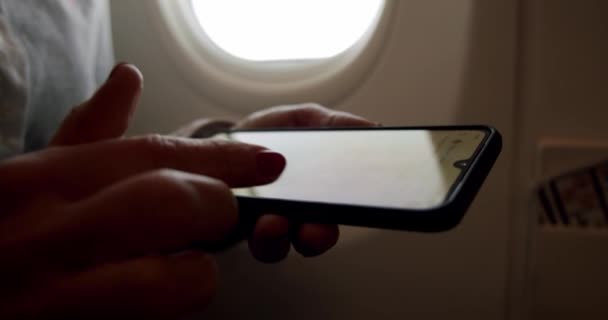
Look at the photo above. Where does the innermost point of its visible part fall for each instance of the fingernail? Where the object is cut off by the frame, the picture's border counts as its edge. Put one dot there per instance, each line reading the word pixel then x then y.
pixel 379 124
pixel 270 163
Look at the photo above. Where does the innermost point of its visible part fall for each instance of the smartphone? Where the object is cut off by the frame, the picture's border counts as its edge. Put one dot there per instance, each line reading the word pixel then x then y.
pixel 405 178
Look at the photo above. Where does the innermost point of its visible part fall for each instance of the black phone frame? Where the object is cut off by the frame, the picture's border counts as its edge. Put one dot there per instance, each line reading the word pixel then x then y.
pixel 440 218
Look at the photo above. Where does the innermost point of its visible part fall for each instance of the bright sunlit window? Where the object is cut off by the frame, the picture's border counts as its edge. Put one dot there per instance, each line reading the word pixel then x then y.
pixel 280 30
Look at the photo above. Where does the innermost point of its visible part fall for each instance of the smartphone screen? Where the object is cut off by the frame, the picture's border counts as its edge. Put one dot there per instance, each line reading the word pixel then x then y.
pixel 392 168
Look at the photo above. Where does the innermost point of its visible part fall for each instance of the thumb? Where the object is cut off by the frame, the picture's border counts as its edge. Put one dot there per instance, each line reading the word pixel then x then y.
pixel 107 114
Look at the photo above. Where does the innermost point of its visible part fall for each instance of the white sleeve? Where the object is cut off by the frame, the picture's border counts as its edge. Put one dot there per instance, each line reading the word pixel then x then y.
pixel 13 91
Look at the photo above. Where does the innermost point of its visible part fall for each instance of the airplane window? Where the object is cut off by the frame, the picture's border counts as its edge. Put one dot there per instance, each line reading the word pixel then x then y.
pixel 279 30
pixel 245 54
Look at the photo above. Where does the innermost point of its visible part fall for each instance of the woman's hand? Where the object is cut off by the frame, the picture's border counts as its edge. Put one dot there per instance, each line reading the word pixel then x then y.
pixel 95 225
pixel 273 234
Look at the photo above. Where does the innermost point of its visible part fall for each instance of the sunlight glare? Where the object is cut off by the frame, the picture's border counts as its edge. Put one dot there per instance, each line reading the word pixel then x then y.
pixel 279 30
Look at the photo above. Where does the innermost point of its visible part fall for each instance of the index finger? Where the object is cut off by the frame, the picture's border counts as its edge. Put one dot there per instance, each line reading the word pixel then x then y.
pixel 302 115
pixel 79 171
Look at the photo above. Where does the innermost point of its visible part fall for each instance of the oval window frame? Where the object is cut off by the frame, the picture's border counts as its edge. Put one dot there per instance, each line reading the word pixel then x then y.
pixel 244 86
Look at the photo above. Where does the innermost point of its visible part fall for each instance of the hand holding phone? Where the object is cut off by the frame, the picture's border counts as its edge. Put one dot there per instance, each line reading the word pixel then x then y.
pixel 420 179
